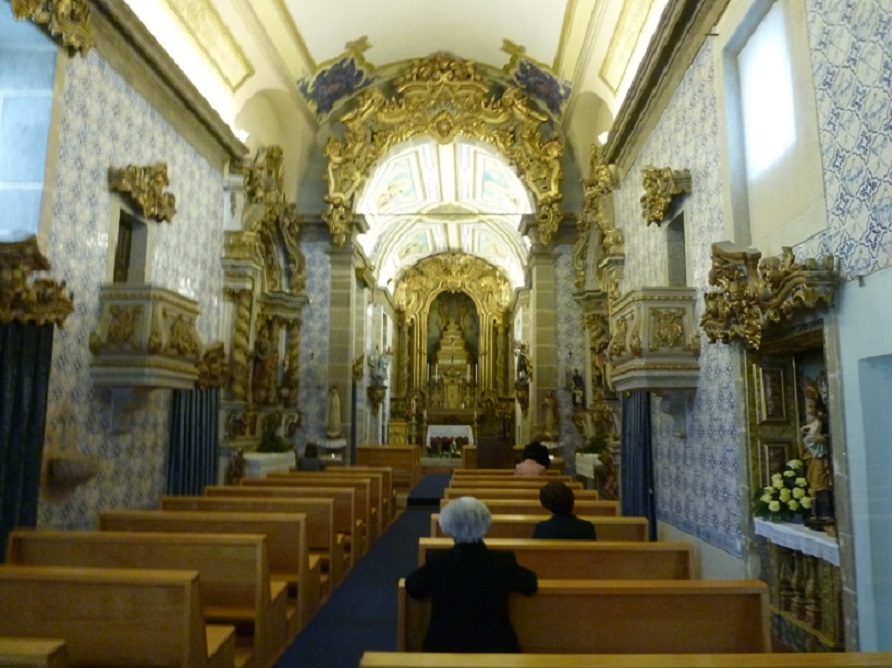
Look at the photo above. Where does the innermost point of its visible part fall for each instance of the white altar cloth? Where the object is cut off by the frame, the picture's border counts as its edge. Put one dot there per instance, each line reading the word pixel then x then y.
pixel 799 537
pixel 449 431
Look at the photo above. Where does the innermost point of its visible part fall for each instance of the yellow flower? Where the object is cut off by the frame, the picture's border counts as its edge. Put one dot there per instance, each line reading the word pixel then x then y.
pixel 766 498
pixel 795 463
pixel 805 502
pixel 793 505
pixel 785 495
pixel 789 474
pixel 777 481
pixel 774 506
pixel 801 482
pixel 798 493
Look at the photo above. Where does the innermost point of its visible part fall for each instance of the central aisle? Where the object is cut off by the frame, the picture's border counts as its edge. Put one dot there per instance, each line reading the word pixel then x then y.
pixel 361 614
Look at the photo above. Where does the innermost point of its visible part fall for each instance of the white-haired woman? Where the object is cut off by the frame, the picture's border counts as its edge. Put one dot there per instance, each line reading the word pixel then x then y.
pixel 469 585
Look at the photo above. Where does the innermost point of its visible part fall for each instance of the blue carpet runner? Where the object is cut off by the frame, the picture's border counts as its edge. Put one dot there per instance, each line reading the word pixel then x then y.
pixel 361 613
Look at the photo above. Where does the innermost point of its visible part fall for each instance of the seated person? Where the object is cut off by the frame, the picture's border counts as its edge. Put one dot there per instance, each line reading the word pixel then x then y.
pixel 558 499
pixel 310 460
pixel 469 585
pixel 535 460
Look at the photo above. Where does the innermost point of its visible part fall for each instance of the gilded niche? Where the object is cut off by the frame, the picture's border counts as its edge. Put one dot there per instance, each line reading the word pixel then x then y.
pixel 661 186
pixel 39 301
pixel 67 21
pixel 756 293
pixel 444 97
pixel 145 185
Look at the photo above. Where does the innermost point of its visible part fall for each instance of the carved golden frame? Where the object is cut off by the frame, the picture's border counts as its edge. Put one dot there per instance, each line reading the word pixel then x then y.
pixel 67 21
pixel 145 185
pixel 444 97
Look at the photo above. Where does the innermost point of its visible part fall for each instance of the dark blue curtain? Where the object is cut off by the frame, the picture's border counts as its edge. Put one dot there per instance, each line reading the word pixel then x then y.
pixel 636 460
pixel 25 355
pixel 194 447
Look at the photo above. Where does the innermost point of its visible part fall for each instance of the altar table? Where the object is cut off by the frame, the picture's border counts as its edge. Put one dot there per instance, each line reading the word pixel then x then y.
pixel 449 431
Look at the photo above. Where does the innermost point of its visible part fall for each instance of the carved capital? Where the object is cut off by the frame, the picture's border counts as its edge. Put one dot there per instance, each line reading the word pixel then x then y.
pixel 213 369
pixel 755 294
pixel 661 186
pixel 39 301
pixel 145 186
pixel 67 21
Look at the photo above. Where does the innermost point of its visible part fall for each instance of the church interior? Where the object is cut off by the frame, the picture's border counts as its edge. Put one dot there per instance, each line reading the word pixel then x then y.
pixel 653 235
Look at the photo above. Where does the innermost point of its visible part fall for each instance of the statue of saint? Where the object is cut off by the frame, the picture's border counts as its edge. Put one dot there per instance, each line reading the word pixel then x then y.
pixel 551 414
pixel 333 421
pixel 816 455
pixel 578 389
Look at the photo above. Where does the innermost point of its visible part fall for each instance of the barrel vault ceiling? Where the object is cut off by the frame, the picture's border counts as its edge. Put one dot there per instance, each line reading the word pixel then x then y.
pixel 580 56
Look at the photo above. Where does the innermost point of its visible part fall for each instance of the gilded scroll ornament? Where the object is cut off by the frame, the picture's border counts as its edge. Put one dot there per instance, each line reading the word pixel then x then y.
pixel 41 301
pixel 444 97
pixel 661 186
pixel 67 21
pixel 145 186
pixel 667 327
pixel 213 370
pixel 755 294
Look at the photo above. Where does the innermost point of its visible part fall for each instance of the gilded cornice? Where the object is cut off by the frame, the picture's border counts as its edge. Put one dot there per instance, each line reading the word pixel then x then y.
pixel 67 21
pixel 145 186
pixel 213 369
pixel 756 294
pixel 444 97
pixel 41 301
pixel 661 186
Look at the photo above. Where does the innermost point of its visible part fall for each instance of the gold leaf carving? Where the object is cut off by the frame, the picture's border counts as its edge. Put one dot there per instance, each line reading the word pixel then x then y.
pixel 755 294
pixel 444 97
pixel 668 327
pixel 661 186
pixel 213 371
pixel 40 301
pixel 145 186
pixel 68 21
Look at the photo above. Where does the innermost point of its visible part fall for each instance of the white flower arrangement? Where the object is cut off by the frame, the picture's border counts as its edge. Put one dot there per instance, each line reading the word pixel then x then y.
pixel 787 497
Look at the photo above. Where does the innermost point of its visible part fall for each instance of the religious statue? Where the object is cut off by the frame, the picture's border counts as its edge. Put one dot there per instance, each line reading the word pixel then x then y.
pixel 333 420
pixel 816 455
pixel 523 368
pixel 578 389
pixel 378 364
pixel 263 381
pixel 551 415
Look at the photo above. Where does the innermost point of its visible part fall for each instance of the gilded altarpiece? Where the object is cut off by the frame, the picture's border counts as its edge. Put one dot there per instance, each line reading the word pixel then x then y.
pixel 265 281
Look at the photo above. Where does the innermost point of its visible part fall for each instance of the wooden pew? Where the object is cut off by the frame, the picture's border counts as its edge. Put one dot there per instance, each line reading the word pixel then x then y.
pixel 344 507
pixel 359 536
pixel 534 507
pixel 589 560
pixel 388 500
pixel 754 660
pixel 321 537
pixel 486 473
pixel 376 494
pixel 521 526
pixel 516 482
pixel 115 616
pixel 233 571
pixel 33 653
pixel 405 460
pixel 286 545
pixel 484 493
pixel 623 616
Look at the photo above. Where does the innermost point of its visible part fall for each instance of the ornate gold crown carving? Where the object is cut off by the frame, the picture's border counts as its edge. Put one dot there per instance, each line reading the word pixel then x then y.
pixel 145 186
pixel 444 97
pixel 756 294
pixel 68 21
pixel 661 186
pixel 39 302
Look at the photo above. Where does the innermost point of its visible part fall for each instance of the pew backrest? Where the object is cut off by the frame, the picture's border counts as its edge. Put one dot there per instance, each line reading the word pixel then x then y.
pixel 589 560
pixel 623 616
pixel 521 526
pixel 405 460
pixel 33 652
pixel 516 482
pixel 487 473
pixel 484 493
pixel 534 507
pixel 388 489
pixel 137 617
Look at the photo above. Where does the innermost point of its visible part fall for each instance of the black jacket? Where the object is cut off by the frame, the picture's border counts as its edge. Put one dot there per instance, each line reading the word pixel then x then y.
pixel 566 526
pixel 469 586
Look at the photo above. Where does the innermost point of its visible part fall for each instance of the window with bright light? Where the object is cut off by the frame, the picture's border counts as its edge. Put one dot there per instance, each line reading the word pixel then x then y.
pixel 766 87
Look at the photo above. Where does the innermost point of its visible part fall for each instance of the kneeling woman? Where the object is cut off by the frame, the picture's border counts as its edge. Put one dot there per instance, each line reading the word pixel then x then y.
pixel 469 585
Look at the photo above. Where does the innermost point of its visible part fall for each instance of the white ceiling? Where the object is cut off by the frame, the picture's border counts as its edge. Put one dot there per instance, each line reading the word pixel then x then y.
pixel 423 198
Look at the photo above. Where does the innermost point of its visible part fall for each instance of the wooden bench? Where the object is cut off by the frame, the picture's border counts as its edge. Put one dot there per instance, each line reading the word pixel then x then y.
pixel 389 492
pixel 511 482
pixel 286 546
pixel 486 473
pixel 233 571
pixel 623 616
pixel 338 477
pixel 521 526
pixel 589 560
pixel 115 616
pixel 754 660
pixel 405 460
pixel 322 540
pixel 345 523
pixel 358 541
pixel 534 507
pixel 484 493
pixel 33 653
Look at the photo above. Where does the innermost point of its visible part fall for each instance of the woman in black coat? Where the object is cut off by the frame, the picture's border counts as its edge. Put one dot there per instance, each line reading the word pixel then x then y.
pixel 469 585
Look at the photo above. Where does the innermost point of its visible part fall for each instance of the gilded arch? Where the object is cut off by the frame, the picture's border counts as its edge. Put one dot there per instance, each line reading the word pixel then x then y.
pixel 443 96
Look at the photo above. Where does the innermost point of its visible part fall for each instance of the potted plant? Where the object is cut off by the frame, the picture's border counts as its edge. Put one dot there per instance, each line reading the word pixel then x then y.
pixel 787 498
